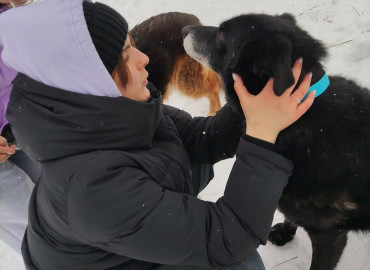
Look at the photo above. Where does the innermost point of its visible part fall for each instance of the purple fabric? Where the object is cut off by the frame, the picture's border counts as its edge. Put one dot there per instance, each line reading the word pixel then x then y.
pixel 49 42
pixel 3 8
pixel 6 77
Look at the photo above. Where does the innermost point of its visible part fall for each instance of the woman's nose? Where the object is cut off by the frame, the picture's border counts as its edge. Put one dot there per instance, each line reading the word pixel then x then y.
pixel 144 60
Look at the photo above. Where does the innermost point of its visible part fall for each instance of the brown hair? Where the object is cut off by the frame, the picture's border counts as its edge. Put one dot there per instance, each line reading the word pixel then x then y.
pixel 122 69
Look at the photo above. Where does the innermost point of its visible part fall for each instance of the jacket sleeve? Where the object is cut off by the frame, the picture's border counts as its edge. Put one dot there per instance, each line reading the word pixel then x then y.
pixel 125 212
pixel 208 139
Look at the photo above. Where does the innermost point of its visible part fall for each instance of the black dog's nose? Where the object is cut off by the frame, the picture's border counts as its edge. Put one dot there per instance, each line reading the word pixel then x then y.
pixel 185 31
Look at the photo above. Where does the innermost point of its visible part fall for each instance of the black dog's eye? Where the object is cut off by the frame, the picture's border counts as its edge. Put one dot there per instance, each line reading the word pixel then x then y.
pixel 221 36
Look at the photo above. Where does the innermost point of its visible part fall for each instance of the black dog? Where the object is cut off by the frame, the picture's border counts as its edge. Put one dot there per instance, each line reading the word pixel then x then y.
pixel 328 194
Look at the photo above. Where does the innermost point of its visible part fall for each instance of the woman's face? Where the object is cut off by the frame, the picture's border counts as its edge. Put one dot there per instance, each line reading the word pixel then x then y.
pixel 136 62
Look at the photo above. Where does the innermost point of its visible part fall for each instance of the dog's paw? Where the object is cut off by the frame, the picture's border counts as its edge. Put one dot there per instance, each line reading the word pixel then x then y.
pixel 282 233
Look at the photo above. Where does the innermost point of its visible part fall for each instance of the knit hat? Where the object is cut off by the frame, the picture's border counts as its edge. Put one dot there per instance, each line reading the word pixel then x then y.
pixel 108 31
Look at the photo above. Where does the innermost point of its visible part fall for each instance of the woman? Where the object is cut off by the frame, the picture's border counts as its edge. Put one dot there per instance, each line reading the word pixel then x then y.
pixel 16 168
pixel 116 182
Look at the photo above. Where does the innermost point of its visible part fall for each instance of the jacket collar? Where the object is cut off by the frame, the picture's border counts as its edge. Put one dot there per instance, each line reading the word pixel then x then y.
pixel 60 123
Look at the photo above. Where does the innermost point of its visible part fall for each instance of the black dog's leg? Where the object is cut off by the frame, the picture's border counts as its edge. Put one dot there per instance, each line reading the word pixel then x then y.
pixel 327 247
pixel 282 233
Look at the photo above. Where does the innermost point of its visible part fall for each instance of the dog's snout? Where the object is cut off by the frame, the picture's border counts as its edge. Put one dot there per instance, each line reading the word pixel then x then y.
pixel 185 31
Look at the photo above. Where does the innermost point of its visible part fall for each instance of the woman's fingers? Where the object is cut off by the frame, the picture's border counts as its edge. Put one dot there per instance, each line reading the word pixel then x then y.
pixel 6 152
pixel 306 104
pixel 240 88
pixel 3 141
pixel 9 150
pixel 301 91
pixel 5 149
pixel 3 157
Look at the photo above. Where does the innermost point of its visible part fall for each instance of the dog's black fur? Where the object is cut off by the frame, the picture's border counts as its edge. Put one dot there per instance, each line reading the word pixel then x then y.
pixel 328 193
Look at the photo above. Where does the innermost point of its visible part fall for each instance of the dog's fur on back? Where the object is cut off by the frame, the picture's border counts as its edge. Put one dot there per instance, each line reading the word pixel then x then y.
pixel 328 193
pixel 170 67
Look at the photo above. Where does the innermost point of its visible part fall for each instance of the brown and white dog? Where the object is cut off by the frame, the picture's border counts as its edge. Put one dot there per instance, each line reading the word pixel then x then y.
pixel 170 67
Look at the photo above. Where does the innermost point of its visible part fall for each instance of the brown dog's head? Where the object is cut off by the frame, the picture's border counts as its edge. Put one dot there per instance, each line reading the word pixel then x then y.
pixel 255 46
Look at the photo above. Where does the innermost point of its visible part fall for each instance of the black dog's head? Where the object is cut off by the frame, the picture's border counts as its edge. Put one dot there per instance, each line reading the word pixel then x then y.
pixel 255 46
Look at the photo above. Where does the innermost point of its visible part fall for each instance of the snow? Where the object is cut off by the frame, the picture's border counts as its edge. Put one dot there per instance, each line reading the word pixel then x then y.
pixel 343 26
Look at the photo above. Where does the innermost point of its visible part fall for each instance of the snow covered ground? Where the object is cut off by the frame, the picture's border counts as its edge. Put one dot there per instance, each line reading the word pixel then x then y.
pixel 343 26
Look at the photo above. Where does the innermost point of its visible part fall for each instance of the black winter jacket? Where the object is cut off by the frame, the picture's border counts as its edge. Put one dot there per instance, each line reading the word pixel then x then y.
pixel 115 186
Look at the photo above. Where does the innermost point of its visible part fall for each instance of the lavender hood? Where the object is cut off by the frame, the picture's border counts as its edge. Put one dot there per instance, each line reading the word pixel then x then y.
pixel 49 42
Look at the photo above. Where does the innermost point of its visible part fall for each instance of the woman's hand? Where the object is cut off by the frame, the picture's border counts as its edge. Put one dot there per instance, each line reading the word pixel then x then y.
pixel 267 114
pixel 5 150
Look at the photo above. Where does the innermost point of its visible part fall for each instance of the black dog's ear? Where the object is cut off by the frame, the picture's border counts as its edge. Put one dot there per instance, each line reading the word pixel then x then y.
pixel 241 54
pixel 280 54
pixel 287 16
